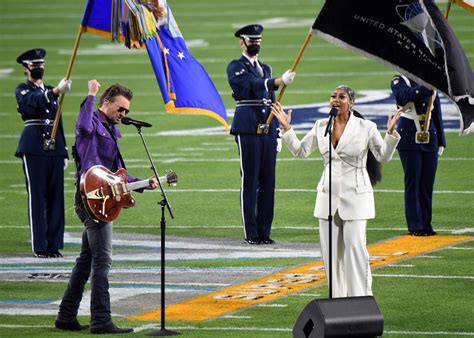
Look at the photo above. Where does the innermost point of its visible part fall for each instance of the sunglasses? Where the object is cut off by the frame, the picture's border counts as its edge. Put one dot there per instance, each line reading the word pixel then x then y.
pixel 120 109
pixel 123 109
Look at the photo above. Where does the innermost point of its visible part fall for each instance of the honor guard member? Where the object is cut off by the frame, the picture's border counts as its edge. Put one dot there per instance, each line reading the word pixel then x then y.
pixel 419 155
pixel 43 161
pixel 253 89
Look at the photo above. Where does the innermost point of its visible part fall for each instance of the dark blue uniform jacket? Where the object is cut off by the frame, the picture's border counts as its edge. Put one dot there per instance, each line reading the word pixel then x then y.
pixel 248 85
pixel 420 96
pixel 38 109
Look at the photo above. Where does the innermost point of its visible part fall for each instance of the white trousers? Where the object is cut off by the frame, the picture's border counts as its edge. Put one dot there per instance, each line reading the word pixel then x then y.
pixel 350 258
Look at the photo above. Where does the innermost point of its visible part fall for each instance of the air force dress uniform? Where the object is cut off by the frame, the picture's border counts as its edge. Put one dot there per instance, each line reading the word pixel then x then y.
pixel 44 169
pixel 253 89
pixel 419 160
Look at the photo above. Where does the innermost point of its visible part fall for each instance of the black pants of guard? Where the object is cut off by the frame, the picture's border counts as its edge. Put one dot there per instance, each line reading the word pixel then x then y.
pixel 44 177
pixel 257 190
pixel 419 169
pixel 95 257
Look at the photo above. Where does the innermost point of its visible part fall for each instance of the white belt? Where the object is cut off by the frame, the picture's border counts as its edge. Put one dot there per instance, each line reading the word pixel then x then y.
pixel 412 117
pixel 255 103
pixel 38 122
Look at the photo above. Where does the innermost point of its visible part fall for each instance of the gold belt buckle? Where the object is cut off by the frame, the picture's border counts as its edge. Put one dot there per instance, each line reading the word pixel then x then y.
pixel 422 137
pixel 49 144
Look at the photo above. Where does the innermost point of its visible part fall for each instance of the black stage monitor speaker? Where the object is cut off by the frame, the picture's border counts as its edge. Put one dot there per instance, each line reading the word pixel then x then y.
pixel 340 317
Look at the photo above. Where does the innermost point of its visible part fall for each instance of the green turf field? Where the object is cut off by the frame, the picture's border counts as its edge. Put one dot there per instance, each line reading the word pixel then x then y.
pixel 433 294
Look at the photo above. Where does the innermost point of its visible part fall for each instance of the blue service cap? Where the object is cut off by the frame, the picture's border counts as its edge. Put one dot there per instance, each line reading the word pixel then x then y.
pixel 251 31
pixel 31 56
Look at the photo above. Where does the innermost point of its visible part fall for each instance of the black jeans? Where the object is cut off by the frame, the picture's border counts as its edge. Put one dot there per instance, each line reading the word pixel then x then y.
pixel 95 257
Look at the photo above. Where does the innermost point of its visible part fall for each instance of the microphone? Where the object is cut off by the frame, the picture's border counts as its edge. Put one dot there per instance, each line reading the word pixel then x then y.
pixel 332 115
pixel 136 123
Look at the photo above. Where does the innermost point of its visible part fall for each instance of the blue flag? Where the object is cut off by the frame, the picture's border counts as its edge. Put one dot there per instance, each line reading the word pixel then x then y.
pixel 184 84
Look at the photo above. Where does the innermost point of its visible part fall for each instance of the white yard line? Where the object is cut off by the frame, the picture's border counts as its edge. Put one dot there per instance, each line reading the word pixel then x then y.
pixel 79 227
pixel 431 333
pixel 272 305
pixel 142 328
pixel 270 329
pixel 422 276
pixel 21 190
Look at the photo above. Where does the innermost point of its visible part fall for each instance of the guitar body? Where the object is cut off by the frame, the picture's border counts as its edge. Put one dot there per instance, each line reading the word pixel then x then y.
pixel 104 193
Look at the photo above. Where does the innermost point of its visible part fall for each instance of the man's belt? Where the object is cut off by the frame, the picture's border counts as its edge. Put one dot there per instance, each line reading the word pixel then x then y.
pixel 38 122
pixel 254 103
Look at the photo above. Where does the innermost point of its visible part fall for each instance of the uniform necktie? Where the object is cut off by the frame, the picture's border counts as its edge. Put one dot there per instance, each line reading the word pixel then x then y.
pixel 257 66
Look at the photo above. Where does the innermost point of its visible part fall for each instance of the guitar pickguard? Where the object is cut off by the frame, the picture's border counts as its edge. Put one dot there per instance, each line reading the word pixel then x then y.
pixel 96 194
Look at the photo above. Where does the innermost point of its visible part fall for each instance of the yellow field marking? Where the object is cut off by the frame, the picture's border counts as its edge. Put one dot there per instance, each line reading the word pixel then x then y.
pixel 218 303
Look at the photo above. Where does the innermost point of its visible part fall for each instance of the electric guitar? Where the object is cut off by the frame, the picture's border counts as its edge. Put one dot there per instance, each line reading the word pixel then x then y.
pixel 105 193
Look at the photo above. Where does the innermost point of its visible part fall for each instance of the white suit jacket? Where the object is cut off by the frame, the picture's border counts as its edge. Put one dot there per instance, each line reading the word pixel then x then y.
pixel 352 193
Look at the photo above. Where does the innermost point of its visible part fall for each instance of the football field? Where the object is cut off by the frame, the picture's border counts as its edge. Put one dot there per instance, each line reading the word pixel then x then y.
pixel 424 286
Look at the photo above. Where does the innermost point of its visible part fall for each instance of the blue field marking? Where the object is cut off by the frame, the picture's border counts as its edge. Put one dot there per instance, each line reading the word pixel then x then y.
pixel 6 266
pixel 374 105
pixel 119 246
pixel 26 267
pixel 23 301
pixel 207 259
pixel 168 286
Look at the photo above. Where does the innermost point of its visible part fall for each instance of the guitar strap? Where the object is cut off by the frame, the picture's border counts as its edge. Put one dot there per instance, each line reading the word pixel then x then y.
pixel 77 161
pixel 118 162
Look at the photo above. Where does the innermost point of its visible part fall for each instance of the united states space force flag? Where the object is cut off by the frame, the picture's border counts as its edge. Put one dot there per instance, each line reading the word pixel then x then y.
pixel 411 36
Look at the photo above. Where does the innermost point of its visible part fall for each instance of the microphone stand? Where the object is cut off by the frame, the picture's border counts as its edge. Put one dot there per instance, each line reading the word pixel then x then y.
pixel 164 203
pixel 329 131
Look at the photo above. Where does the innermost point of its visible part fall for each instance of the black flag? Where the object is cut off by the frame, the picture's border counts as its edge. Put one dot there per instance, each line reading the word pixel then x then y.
pixel 411 36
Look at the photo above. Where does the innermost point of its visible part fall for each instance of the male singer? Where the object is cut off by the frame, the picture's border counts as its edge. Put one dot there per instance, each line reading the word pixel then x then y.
pixel 97 137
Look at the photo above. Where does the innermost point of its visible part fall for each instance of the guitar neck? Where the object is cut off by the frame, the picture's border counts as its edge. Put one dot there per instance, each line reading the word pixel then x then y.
pixel 137 185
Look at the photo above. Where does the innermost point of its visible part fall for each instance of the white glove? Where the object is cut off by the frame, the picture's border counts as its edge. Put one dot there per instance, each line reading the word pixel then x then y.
pixel 288 77
pixel 440 150
pixel 66 163
pixel 64 85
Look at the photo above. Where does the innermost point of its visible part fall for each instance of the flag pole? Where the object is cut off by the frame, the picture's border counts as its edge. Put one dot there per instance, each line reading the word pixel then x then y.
pixel 61 97
pixel 428 113
pixel 424 136
pixel 446 14
pixel 266 127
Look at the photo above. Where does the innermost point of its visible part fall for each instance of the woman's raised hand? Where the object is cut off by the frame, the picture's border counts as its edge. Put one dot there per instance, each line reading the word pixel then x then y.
pixel 392 121
pixel 282 117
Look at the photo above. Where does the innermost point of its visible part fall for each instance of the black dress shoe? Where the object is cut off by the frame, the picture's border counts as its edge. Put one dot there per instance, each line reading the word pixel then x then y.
pixel 42 254
pixel 72 325
pixel 110 328
pixel 418 233
pixel 268 241
pixel 430 233
pixel 252 241
pixel 55 254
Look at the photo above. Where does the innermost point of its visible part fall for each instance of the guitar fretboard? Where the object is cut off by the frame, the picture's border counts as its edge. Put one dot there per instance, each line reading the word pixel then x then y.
pixel 137 185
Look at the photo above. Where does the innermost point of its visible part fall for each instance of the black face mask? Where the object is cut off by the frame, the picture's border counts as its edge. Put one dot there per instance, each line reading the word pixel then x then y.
pixel 253 50
pixel 37 73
